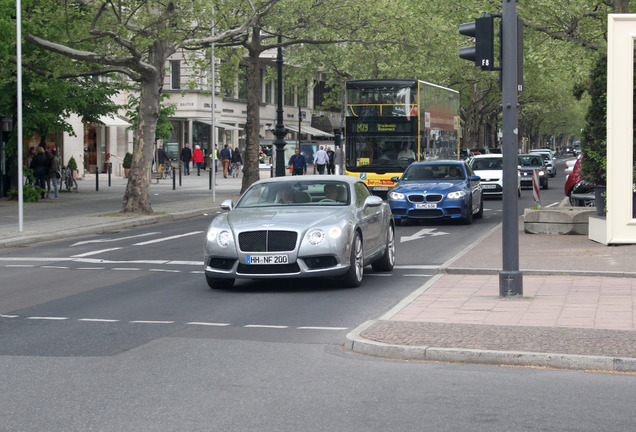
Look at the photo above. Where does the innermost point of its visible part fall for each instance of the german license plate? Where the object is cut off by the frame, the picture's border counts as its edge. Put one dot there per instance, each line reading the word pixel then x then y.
pixel 267 259
pixel 381 188
pixel 488 186
pixel 425 205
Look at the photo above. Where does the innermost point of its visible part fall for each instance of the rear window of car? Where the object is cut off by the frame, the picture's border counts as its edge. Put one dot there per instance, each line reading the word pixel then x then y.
pixel 482 164
pixel 531 160
pixel 434 172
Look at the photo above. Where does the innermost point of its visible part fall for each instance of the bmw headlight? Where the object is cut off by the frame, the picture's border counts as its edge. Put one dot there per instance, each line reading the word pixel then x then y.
pixel 396 195
pixel 315 236
pixel 224 238
pixel 456 195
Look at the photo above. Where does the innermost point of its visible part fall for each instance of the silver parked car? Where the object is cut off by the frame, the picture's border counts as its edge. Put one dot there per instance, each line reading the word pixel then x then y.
pixel 300 226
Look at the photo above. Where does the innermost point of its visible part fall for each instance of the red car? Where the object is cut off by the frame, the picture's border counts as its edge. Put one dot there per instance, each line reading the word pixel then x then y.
pixel 580 192
pixel 574 178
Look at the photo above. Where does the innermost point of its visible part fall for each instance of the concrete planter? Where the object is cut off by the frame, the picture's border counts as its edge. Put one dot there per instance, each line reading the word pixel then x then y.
pixel 559 221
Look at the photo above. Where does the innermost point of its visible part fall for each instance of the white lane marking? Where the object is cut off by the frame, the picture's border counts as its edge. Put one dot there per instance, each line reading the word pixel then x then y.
pixel 98 320
pixel 103 261
pixel 112 240
pixel 95 252
pixel 197 272
pixel 91 268
pixel 125 268
pixel 9 316
pixel 20 265
pixel 265 326
pixel 553 204
pixel 34 259
pixel 167 238
pixel 192 263
pixel 417 275
pixel 54 267
pixel 417 267
pixel 322 328
pixel 152 322
pixel 164 270
pixel 422 233
pixel 211 324
pixel 50 318
pixel 378 274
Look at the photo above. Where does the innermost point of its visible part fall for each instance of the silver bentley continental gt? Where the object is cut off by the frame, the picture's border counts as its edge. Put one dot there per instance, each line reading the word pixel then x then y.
pixel 298 227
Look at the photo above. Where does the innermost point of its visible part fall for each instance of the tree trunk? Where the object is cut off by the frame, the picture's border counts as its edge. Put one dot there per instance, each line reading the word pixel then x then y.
pixel 137 195
pixel 252 124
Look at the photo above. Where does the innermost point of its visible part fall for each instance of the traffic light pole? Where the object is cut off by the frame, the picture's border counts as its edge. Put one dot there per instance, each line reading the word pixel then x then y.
pixel 510 278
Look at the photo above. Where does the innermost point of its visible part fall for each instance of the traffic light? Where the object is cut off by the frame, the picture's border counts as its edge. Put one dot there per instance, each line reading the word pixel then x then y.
pixel 483 52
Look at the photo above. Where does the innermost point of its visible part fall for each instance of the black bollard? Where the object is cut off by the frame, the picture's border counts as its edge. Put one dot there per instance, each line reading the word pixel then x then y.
pixel 96 178
pixel 211 169
pixel 110 168
pixel 174 179
pixel 179 175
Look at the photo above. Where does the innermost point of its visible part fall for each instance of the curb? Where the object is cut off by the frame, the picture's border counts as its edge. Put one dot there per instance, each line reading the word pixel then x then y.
pixel 356 343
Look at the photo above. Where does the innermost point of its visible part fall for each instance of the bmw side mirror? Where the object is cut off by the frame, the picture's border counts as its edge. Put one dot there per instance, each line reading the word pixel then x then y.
pixel 395 179
pixel 475 178
pixel 227 205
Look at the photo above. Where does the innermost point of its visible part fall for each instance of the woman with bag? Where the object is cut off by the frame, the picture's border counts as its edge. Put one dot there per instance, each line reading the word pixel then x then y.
pixel 197 157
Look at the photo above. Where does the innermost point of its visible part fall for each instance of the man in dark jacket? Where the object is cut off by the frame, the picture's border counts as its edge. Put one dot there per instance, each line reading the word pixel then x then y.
pixel 186 155
pixel 298 163
pixel 40 166
pixel 161 158
pixel 225 156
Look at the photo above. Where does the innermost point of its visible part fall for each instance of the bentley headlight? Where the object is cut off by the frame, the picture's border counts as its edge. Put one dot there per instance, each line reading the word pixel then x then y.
pixel 456 195
pixel 334 232
pixel 396 195
pixel 224 238
pixel 211 235
pixel 315 236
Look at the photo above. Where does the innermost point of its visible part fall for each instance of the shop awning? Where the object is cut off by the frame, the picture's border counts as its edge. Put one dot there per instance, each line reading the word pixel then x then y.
pixel 113 121
pixel 307 130
pixel 218 125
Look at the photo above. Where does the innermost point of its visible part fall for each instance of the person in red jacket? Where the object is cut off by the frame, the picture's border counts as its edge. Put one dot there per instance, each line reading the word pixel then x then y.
pixel 197 157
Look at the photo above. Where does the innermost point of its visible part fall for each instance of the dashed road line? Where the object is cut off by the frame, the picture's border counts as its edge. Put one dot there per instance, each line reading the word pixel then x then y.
pixel 151 322
pixel 211 324
pixel 126 268
pixel 322 328
pixel 9 316
pixel 101 320
pixel 265 326
pixel 21 265
pixel 48 318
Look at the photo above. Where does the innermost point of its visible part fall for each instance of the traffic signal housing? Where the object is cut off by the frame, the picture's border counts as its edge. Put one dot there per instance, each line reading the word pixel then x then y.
pixel 482 53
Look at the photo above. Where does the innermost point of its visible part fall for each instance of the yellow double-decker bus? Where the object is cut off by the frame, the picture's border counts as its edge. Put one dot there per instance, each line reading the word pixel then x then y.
pixel 390 123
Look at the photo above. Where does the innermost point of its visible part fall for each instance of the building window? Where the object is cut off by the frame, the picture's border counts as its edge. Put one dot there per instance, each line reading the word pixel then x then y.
pixel 175 74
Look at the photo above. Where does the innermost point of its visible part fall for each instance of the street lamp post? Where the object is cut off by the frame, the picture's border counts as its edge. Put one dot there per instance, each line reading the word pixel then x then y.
pixel 280 131
pixel 301 116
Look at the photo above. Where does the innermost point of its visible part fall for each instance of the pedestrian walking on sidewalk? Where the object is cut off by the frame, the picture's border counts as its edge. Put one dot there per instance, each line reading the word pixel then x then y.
pixel 197 157
pixel 186 156
pixel 40 167
pixel 226 156
pixel 237 160
pixel 322 159
pixel 54 174
pixel 162 156
pixel 331 165
pixel 297 163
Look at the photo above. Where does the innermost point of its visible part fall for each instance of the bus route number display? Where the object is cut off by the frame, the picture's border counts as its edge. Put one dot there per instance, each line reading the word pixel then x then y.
pixel 383 127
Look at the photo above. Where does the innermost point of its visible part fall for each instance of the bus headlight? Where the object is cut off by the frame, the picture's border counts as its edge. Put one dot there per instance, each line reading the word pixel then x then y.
pixel 396 195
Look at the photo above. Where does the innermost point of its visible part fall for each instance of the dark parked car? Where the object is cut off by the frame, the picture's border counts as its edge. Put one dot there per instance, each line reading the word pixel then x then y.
pixel 527 164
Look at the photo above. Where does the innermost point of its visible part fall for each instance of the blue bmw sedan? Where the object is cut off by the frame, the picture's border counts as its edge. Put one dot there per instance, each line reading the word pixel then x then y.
pixel 444 189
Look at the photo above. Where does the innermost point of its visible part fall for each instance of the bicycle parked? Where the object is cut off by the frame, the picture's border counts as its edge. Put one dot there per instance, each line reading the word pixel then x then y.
pixel 67 179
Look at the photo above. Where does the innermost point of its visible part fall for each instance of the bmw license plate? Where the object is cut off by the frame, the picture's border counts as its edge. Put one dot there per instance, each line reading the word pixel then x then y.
pixel 380 188
pixel 267 259
pixel 425 205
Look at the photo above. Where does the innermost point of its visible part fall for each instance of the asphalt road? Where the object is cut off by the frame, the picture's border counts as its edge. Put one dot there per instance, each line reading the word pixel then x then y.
pixel 121 332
